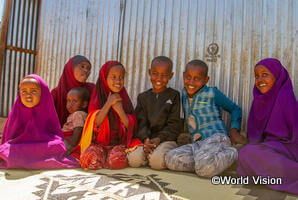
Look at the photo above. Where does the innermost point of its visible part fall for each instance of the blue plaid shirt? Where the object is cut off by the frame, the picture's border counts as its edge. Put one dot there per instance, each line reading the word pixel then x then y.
pixel 206 111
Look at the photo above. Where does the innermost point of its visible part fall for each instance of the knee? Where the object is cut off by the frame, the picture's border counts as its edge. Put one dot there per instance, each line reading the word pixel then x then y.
pixel 157 161
pixel 136 159
pixel 212 165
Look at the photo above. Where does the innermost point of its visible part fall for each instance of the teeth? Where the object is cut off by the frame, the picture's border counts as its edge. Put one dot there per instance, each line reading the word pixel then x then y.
pixel 262 85
pixel 158 83
pixel 191 87
pixel 117 86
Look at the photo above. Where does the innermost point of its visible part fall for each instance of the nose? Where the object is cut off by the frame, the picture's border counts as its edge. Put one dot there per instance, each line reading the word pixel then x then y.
pixel 117 79
pixel 28 94
pixel 191 81
pixel 259 79
pixel 159 77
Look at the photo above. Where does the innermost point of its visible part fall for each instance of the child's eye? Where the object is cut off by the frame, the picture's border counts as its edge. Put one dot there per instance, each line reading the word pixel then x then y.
pixel 86 67
pixel 264 75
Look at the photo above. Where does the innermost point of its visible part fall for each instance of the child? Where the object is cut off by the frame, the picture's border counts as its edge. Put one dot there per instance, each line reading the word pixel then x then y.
pixel 272 128
pixel 77 102
pixel 210 152
pixel 75 73
pixel 111 123
pixel 158 114
pixel 32 136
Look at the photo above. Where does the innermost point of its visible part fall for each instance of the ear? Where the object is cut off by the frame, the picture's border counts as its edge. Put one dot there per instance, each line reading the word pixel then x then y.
pixel 171 75
pixel 206 80
pixel 85 104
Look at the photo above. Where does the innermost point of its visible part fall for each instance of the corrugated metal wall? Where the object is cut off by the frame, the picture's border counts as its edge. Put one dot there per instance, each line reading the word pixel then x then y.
pixel 20 50
pixel 71 27
pixel 244 30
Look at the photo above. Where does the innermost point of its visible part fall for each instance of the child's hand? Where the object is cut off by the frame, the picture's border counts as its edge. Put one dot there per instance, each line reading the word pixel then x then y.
pixel 155 141
pixel 117 106
pixel 148 147
pixel 236 138
pixel 113 99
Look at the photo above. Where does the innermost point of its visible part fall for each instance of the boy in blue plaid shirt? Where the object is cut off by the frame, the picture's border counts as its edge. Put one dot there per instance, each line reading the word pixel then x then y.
pixel 210 152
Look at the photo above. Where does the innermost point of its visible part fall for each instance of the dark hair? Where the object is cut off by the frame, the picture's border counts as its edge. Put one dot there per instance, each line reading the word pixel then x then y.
pixel 165 59
pixel 78 59
pixel 198 63
pixel 84 93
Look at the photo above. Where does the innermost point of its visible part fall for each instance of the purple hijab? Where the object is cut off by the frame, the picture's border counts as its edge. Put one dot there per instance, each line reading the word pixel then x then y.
pixel 274 115
pixel 32 137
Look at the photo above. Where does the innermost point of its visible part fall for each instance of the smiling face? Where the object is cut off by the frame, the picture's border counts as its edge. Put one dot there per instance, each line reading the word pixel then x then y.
pixel 30 92
pixel 264 79
pixel 194 78
pixel 115 78
pixel 160 74
pixel 81 71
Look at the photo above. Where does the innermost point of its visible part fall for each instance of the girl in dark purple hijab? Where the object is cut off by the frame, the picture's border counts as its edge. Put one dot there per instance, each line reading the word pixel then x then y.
pixel 32 136
pixel 272 129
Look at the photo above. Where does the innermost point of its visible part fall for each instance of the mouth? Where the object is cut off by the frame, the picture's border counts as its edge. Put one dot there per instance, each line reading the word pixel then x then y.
pixel 190 87
pixel 262 85
pixel 158 83
pixel 29 100
pixel 117 86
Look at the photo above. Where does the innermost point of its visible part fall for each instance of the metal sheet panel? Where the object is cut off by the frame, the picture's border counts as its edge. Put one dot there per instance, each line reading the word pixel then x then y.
pixel 17 63
pixel 71 27
pixel 245 31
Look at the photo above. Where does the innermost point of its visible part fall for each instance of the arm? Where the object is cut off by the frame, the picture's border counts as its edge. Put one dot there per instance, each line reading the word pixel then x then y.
pixel 118 107
pixel 173 126
pixel 112 99
pixel 236 115
pixel 76 136
pixel 228 105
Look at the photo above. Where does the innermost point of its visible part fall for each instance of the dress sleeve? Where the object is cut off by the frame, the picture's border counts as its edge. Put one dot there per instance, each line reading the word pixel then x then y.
pixel 79 119
pixel 225 103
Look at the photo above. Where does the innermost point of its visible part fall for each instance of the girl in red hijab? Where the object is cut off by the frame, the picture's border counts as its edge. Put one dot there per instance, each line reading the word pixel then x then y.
pixel 75 73
pixel 111 122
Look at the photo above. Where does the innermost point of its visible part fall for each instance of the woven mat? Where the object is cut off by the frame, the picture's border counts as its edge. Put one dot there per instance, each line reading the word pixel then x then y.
pixel 129 183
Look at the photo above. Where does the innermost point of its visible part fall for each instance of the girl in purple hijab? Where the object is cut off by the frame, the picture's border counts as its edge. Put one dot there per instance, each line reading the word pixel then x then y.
pixel 272 129
pixel 32 136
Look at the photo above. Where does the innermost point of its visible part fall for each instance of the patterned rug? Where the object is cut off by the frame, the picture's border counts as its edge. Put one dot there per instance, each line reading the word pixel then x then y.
pixel 130 184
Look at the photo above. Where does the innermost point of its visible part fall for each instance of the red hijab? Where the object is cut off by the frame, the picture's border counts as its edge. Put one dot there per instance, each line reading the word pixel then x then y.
pixel 99 98
pixel 67 82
